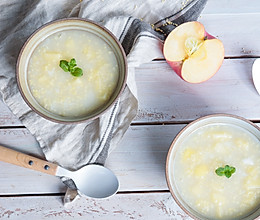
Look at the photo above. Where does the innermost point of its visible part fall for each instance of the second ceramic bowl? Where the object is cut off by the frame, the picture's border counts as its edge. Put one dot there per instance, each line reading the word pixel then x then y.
pixel 196 153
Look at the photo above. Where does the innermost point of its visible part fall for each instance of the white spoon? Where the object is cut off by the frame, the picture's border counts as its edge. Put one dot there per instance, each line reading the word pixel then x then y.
pixel 92 180
pixel 256 74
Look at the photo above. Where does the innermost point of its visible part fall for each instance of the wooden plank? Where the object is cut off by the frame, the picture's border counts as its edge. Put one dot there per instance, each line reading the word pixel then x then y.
pixel 120 206
pixel 21 140
pixel 231 7
pixel 235 31
pixel 17 180
pixel 138 161
pixel 164 97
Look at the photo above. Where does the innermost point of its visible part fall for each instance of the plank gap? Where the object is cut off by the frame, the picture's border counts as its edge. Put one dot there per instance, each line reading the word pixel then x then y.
pixel 63 194
pixel 12 127
pixel 160 123
pixel 32 195
pixel 242 57
pixel 144 192
pixel 226 57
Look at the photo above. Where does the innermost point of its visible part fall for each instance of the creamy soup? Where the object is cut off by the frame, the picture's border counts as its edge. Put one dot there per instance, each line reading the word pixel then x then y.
pixel 207 149
pixel 59 91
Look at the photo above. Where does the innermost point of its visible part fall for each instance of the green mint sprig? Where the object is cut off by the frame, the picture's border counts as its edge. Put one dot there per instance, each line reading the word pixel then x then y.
pixel 71 67
pixel 225 171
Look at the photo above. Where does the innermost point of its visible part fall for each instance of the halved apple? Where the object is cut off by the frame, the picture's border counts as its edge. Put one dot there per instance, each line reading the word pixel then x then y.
pixel 192 53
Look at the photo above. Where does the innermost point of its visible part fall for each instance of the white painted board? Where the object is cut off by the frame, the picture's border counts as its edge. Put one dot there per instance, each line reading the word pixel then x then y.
pixel 121 206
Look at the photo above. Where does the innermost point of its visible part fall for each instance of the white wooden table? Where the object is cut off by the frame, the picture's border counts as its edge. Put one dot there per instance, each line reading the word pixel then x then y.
pixel 166 104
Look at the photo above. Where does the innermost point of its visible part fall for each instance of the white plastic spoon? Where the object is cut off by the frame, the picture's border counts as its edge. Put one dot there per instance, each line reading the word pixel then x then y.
pixel 256 74
pixel 92 180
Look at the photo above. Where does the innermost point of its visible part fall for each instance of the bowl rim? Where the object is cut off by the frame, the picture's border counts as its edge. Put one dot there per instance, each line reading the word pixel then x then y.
pixel 125 69
pixel 177 137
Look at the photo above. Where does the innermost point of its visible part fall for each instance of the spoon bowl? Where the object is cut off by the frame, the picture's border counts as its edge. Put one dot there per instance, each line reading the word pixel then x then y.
pixel 92 180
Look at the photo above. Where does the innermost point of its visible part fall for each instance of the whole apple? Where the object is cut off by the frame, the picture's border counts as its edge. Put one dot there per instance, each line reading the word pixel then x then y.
pixel 192 53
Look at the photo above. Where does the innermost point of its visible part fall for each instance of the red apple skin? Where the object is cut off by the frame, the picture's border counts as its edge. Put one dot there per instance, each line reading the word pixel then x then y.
pixel 177 65
pixel 209 36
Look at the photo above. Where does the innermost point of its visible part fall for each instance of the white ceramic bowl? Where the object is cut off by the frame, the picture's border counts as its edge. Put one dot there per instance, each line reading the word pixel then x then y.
pixel 183 134
pixel 58 26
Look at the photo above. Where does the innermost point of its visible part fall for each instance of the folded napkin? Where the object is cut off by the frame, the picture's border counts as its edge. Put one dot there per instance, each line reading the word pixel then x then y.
pixel 141 26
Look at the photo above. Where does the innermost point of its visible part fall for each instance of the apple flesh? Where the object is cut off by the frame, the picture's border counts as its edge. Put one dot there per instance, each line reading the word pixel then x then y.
pixel 192 53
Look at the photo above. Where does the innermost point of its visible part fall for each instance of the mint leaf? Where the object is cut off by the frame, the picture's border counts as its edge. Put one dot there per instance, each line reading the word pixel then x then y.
pixel 225 171
pixel 72 63
pixel 64 65
pixel 228 173
pixel 232 170
pixel 77 72
pixel 71 67
pixel 220 171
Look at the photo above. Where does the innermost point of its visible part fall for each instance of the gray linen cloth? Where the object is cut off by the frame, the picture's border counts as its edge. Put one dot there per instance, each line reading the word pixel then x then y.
pixel 141 26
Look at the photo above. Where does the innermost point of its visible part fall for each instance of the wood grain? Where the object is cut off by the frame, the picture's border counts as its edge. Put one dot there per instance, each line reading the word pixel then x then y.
pixel 138 161
pixel 164 97
pixel 21 140
pixel 118 207
pixel 235 31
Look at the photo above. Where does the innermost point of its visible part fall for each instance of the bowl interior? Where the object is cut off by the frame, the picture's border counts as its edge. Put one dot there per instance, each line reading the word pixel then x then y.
pixel 208 120
pixel 59 26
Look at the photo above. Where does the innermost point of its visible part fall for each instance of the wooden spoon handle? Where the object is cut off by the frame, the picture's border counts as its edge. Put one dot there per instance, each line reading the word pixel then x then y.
pixel 23 160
